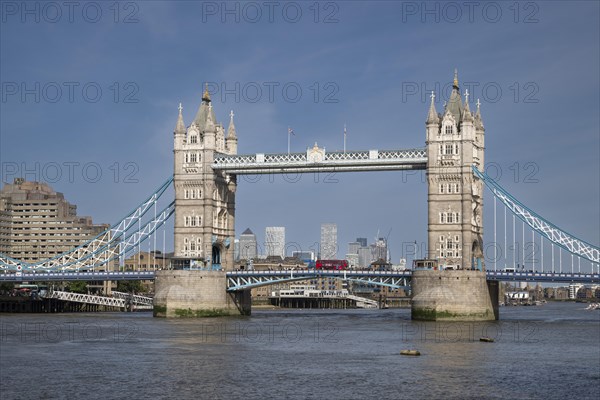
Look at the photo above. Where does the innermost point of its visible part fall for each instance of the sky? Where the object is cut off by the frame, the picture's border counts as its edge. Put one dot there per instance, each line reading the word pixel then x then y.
pixel 90 92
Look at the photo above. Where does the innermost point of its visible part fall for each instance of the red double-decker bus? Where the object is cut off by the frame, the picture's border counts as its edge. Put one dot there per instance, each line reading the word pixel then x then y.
pixel 331 264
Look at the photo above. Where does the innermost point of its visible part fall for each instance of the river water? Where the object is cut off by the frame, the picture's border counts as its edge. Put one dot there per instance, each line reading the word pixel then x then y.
pixel 546 352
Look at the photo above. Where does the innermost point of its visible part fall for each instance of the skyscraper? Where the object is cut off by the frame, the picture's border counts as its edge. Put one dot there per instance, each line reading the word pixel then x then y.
pixel 247 245
pixel 379 250
pixel 364 256
pixel 353 247
pixel 328 241
pixel 362 241
pixel 275 241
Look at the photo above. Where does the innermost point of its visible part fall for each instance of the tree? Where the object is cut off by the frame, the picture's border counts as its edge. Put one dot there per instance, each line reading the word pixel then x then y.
pixel 6 287
pixel 130 287
pixel 77 287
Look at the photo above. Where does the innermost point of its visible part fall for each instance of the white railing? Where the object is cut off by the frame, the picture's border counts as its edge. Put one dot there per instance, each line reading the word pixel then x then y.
pixel 338 161
pixel 359 299
pixel 87 299
pixel 135 298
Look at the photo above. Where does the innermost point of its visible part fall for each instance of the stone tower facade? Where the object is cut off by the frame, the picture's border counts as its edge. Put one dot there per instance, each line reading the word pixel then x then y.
pixel 455 143
pixel 204 199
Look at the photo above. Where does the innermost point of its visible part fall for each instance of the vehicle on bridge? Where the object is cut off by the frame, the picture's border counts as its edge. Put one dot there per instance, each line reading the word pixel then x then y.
pixel 331 264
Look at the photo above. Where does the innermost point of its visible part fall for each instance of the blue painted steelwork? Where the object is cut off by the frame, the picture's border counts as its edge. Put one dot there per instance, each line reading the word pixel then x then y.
pixel 137 239
pixel 111 236
pixel 240 280
pixel 543 277
pixel 545 228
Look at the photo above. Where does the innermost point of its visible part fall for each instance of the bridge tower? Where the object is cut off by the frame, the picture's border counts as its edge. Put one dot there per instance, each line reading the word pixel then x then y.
pixel 204 223
pixel 204 199
pixel 455 142
pixel 457 290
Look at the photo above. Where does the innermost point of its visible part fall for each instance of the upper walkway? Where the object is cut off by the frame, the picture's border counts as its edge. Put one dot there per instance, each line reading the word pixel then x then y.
pixel 318 160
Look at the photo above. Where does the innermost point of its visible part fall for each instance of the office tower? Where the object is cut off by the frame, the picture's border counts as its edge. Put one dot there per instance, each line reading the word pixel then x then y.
pixel 275 241
pixel 362 241
pixel 328 241
pixel 379 250
pixel 248 245
pixel 353 247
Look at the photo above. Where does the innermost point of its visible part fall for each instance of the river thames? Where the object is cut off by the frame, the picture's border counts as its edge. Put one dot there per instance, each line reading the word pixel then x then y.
pixel 546 352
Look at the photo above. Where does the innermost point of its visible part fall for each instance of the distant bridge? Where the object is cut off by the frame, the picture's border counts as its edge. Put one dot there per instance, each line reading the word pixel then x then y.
pixel 239 280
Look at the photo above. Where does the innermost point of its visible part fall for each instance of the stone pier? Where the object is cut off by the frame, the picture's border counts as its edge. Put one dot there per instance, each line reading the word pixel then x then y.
pixel 181 293
pixel 461 295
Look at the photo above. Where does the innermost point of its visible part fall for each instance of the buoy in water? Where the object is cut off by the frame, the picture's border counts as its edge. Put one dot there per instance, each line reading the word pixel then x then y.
pixel 410 353
pixel 486 339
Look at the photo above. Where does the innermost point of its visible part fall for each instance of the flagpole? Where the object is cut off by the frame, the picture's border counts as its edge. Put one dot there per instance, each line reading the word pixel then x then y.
pixel 289 135
pixel 344 138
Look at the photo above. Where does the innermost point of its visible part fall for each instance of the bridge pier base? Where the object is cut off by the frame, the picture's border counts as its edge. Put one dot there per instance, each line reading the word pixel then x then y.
pixel 448 295
pixel 197 294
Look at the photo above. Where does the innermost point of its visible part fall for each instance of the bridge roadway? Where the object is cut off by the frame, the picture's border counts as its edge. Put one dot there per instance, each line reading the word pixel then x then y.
pixel 237 280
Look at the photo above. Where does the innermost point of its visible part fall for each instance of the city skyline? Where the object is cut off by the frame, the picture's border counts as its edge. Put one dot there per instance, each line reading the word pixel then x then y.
pixel 547 108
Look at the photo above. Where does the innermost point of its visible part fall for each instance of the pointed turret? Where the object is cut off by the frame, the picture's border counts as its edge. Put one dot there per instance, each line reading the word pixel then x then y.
pixel 432 116
pixel 210 130
pixel 478 120
pixel 203 110
pixel 455 105
pixel 231 130
pixel 466 115
pixel 231 141
pixel 210 122
pixel 180 126
pixel 179 132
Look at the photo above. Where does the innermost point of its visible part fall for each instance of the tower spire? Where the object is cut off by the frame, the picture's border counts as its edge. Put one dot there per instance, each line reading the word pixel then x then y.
pixel 467 116
pixel 455 83
pixel 231 130
pixel 201 116
pixel 180 126
pixel 210 124
pixel 478 121
pixel 432 116
pixel 206 94
pixel 455 105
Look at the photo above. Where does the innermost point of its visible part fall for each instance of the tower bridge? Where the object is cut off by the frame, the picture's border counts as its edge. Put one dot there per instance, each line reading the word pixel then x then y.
pixel 206 166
